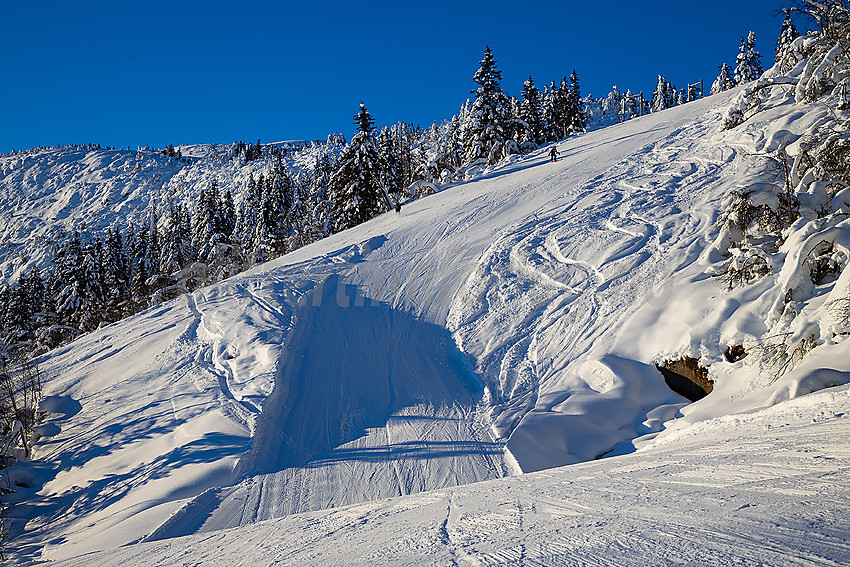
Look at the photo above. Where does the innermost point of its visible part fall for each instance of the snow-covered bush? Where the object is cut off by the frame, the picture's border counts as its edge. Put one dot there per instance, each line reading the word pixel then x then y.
pixel 747 266
pixel 20 392
pixel 798 229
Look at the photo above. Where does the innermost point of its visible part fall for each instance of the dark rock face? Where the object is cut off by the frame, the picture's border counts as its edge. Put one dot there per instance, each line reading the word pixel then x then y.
pixel 687 378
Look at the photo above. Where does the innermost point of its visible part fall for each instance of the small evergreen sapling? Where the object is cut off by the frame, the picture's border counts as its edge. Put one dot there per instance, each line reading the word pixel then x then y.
pixel 724 80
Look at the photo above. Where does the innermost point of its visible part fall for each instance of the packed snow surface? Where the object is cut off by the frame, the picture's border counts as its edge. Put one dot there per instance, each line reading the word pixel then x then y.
pixel 767 487
pixel 505 325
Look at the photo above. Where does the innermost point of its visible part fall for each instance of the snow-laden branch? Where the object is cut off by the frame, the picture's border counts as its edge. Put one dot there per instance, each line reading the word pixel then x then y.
pixel 748 99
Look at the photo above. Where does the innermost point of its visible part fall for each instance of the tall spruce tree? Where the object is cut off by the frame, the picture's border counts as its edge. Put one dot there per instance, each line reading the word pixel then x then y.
pixel 356 190
pixel 35 291
pixel 318 201
pixel 575 115
pixel 141 268
pixel 175 250
pixel 561 101
pixel 488 124
pixel 531 112
pixel 67 259
pixel 550 113
pixel 787 34
pixel 209 226
pixel 391 175
pixel 246 220
pixel 259 250
pixel 17 315
pixel 749 61
pixel 91 310
pixel 81 297
pixel 276 210
pixel 116 274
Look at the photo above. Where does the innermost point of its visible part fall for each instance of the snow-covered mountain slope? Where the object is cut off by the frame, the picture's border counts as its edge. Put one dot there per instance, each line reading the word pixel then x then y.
pixel 503 325
pixel 46 194
pixel 767 487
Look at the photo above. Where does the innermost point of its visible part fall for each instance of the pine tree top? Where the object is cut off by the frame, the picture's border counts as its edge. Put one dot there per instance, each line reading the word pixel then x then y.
pixel 364 121
pixel 787 34
pixel 488 76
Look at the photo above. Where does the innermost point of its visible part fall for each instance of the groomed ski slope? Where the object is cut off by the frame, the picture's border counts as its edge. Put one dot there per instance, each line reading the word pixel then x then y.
pixel 767 487
pixel 504 325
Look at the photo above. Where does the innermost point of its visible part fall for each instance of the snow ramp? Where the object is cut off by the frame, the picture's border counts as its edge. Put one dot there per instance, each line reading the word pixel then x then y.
pixel 370 402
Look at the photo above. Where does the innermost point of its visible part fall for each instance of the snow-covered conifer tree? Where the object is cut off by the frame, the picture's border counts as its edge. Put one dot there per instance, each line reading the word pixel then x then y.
pixel 550 113
pixel 208 230
pixel 81 297
pixel 258 249
pixel 787 34
pixel 391 175
pixel 356 190
pixel 275 208
pixel 153 249
pixel 724 80
pixel 116 274
pixel 488 124
pixel 228 214
pixel 92 293
pixel 576 118
pixel 749 61
pixel 174 253
pixel 246 220
pixel 17 315
pixel 531 112
pixel 67 258
pixel 661 95
pixel 35 290
pixel 318 202
pixel 611 104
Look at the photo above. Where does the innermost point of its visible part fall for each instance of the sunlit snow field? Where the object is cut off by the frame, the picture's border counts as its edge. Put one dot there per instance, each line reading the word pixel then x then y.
pixel 502 326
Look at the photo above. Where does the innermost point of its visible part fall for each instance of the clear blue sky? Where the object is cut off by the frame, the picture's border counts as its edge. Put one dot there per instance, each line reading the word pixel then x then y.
pixel 135 73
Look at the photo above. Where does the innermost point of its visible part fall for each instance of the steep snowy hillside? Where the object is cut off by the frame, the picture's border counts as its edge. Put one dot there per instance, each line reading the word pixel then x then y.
pixel 505 325
pixel 49 193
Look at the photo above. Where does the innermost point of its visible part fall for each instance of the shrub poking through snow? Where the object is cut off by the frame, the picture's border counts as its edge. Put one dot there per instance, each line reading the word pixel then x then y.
pixel 747 266
pixel 734 353
pixel 20 394
pixel 824 262
pixel 778 354
pixel 840 310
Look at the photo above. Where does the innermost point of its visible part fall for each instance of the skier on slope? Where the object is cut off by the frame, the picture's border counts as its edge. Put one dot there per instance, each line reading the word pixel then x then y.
pixel 553 154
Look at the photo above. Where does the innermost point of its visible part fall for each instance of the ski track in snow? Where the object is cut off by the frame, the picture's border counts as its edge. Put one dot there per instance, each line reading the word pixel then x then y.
pixel 211 356
pixel 551 285
pixel 340 428
pixel 769 488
